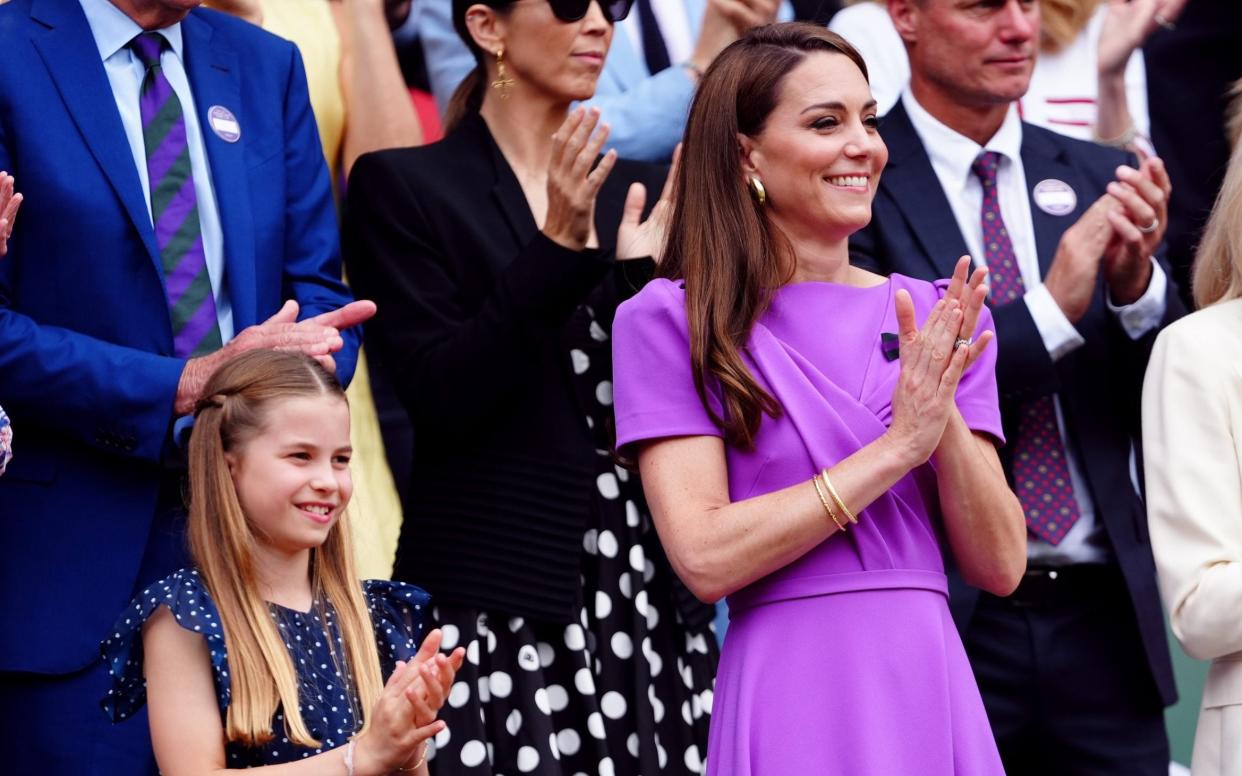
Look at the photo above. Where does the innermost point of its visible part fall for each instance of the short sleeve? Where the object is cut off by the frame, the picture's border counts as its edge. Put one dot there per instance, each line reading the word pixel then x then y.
pixel 977 397
pixel 187 598
pixel 399 617
pixel 653 385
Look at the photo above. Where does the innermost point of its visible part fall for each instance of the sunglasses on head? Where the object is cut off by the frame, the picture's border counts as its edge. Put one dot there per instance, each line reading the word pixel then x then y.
pixel 574 10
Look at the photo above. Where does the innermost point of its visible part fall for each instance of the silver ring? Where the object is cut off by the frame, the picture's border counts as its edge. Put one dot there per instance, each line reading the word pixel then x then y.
pixel 1163 22
pixel 963 342
pixel 1155 224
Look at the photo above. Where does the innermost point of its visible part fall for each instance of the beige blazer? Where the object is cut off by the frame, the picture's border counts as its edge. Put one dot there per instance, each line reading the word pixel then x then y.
pixel 1192 445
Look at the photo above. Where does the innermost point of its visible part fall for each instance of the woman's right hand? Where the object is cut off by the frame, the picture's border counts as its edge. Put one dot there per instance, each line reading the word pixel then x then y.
pixel 392 738
pixel 931 365
pixel 572 183
pixel 10 201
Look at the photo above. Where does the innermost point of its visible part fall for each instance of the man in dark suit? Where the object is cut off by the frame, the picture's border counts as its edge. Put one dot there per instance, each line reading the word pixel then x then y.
pixel 1073 667
pixel 175 198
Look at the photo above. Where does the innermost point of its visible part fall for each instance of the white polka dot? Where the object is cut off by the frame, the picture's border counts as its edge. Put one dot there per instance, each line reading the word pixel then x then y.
pixel 581 361
pixel 527 759
pixel 597 332
pixel 595 725
pixel 653 617
pixel 648 570
pixel 515 624
pixel 637 556
pixel 546 654
pixel 491 642
pixel 472 652
pixel 450 635
pixel 528 657
pixel 640 602
pixel 607 544
pixel 552 747
pixel 698 643
pixel 627 588
pixel 442 738
pixel 500 684
pixel 706 697
pixel 574 639
pixel 513 722
pixel 685 713
pixel 613 704
pixel 459 694
pixel 603 393
pixel 541 701
pixel 693 762
pixel 607 484
pixel 584 681
pixel 473 753
pixel 632 518
pixel 657 705
pixel 568 741
pixel 606 768
pixel 661 755
pixel 485 690
pixel 622 645
pixel 603 605
pixel 558 699
pixel 631 744
pixel 590 541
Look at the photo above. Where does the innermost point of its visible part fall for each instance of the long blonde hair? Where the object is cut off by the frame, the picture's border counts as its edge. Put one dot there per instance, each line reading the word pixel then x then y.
pixel 223 545
pixel 1217 273
pixel 1062 21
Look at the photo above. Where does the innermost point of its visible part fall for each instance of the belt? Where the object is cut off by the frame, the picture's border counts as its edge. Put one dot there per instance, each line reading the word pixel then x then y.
pixel 1044 586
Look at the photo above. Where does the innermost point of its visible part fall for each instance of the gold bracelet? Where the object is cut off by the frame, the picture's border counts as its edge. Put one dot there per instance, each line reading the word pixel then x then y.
pixel 837 497
pixel 824 500
pixel 421 760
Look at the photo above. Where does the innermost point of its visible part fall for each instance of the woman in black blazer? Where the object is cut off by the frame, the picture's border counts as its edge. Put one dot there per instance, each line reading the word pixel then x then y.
pixel 492 258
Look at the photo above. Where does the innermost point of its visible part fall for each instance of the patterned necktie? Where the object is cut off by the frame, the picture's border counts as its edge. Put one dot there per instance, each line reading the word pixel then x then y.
pixel 1040 471
pixel 654 50
pixel 174 207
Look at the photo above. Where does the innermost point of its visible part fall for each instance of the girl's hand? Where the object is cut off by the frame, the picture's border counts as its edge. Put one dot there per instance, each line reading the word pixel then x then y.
pixel 427 695
pixel 931 367
pixel 572 184
pixel 392 739
pixel 10 201
pixel 637 240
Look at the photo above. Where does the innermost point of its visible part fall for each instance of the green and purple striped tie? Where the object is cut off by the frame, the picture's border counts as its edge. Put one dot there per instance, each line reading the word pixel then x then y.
pixel 174 207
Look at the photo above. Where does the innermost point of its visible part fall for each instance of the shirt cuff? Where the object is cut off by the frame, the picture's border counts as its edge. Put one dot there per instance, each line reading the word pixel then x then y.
pixel 1059 335
pixel 1146 312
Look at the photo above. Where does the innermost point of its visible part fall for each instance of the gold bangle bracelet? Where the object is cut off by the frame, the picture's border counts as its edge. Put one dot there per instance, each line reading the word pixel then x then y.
pixel 824 500
pixel 421 760
pixel 837 497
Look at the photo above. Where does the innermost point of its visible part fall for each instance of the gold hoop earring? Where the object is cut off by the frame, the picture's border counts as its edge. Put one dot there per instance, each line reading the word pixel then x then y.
pixel 756 187
pixel 503 82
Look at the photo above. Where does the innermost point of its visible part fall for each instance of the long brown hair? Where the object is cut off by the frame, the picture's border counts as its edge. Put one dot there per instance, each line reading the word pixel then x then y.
pixel 1217 273
pixel 720 242
pixel 467 98
pixel 223 545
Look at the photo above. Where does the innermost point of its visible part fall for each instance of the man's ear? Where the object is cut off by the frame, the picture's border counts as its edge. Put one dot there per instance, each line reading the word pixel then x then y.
pixel 905 16
pixel 486 27
pixel 751 158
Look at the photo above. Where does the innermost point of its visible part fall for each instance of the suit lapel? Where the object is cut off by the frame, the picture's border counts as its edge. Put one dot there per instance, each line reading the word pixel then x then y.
pixel 506 191
pixel 69 52
pixel 915 190
pixel 1043 160
pixel 215 79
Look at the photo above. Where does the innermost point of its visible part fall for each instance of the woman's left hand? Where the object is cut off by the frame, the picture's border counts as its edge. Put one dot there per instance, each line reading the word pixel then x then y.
pixel 637 240
pixel 1128 25
pixel 968 289
pixel 10 201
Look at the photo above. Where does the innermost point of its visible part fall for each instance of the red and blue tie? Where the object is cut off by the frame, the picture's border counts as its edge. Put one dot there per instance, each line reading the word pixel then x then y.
pixel 174 207
pixel 1040 471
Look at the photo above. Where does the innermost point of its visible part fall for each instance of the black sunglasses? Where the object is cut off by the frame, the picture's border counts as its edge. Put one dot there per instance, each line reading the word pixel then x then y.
pixel 574 10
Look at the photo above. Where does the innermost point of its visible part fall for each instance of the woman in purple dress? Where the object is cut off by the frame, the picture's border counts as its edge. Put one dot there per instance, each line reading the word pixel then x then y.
pixel 806 448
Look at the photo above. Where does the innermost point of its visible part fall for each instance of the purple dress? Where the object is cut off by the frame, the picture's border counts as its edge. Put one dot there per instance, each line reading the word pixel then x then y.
pixel 846 661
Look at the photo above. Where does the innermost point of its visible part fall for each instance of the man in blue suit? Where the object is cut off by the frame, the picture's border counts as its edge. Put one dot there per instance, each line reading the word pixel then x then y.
pixel 1073 667
pixel 177 211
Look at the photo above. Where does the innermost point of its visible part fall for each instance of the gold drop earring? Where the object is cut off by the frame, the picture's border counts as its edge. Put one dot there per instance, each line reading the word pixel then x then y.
pixel 756 188
pixel 503 82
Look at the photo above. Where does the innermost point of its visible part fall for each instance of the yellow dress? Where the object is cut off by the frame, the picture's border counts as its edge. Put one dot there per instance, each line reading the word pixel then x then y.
pixel 375 509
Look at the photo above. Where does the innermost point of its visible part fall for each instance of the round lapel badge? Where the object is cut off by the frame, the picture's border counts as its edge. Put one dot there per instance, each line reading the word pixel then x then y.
pixel 224 123
pixel 1054 197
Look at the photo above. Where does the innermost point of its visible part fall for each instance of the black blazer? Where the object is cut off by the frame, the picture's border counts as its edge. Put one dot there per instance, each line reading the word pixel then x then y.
pixel 913 231
pixel 473 306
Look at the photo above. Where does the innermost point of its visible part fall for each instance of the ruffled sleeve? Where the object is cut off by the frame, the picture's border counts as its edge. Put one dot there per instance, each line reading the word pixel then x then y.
pixel 6 440
pixel 399 614
pixel 186 597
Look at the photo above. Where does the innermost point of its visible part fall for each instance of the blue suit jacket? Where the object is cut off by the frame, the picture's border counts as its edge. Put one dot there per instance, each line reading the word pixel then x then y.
pixel 86 370
pixel 913 231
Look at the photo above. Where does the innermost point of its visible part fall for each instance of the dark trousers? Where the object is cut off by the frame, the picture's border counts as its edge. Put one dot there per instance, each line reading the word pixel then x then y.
pixel 1064 678
pixel 53 724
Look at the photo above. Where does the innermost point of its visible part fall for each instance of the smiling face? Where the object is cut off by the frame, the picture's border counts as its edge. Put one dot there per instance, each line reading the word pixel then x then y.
pixel 819 154
pixel 292 478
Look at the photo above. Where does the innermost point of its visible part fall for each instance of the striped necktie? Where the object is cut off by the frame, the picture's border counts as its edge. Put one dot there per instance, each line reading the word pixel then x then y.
pixel 174 207
pixel 1040 470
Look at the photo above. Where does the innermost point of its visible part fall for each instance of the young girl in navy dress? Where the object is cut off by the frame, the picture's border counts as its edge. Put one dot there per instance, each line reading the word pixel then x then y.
pixel 269 651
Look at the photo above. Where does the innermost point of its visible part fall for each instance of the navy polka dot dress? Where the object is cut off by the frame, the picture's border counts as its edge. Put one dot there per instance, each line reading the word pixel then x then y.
pixel 327 706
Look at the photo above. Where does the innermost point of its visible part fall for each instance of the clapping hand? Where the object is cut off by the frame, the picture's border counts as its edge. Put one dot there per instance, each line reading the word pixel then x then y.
pixel 1138 218
pixel 933 359
pixel 10 201
pixel 572 182
pixel 1127 26
pixel 636 239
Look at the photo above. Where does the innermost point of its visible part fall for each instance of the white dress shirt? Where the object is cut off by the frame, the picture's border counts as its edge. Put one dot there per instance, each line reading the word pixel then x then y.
pixel 952 156
pixel 113 31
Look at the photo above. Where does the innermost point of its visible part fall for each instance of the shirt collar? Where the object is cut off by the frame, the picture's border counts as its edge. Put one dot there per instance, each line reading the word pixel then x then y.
pixel 113 30
pixel 950 150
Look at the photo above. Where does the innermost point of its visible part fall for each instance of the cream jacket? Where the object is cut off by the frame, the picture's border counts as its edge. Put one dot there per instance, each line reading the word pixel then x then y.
pixel 1192 444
